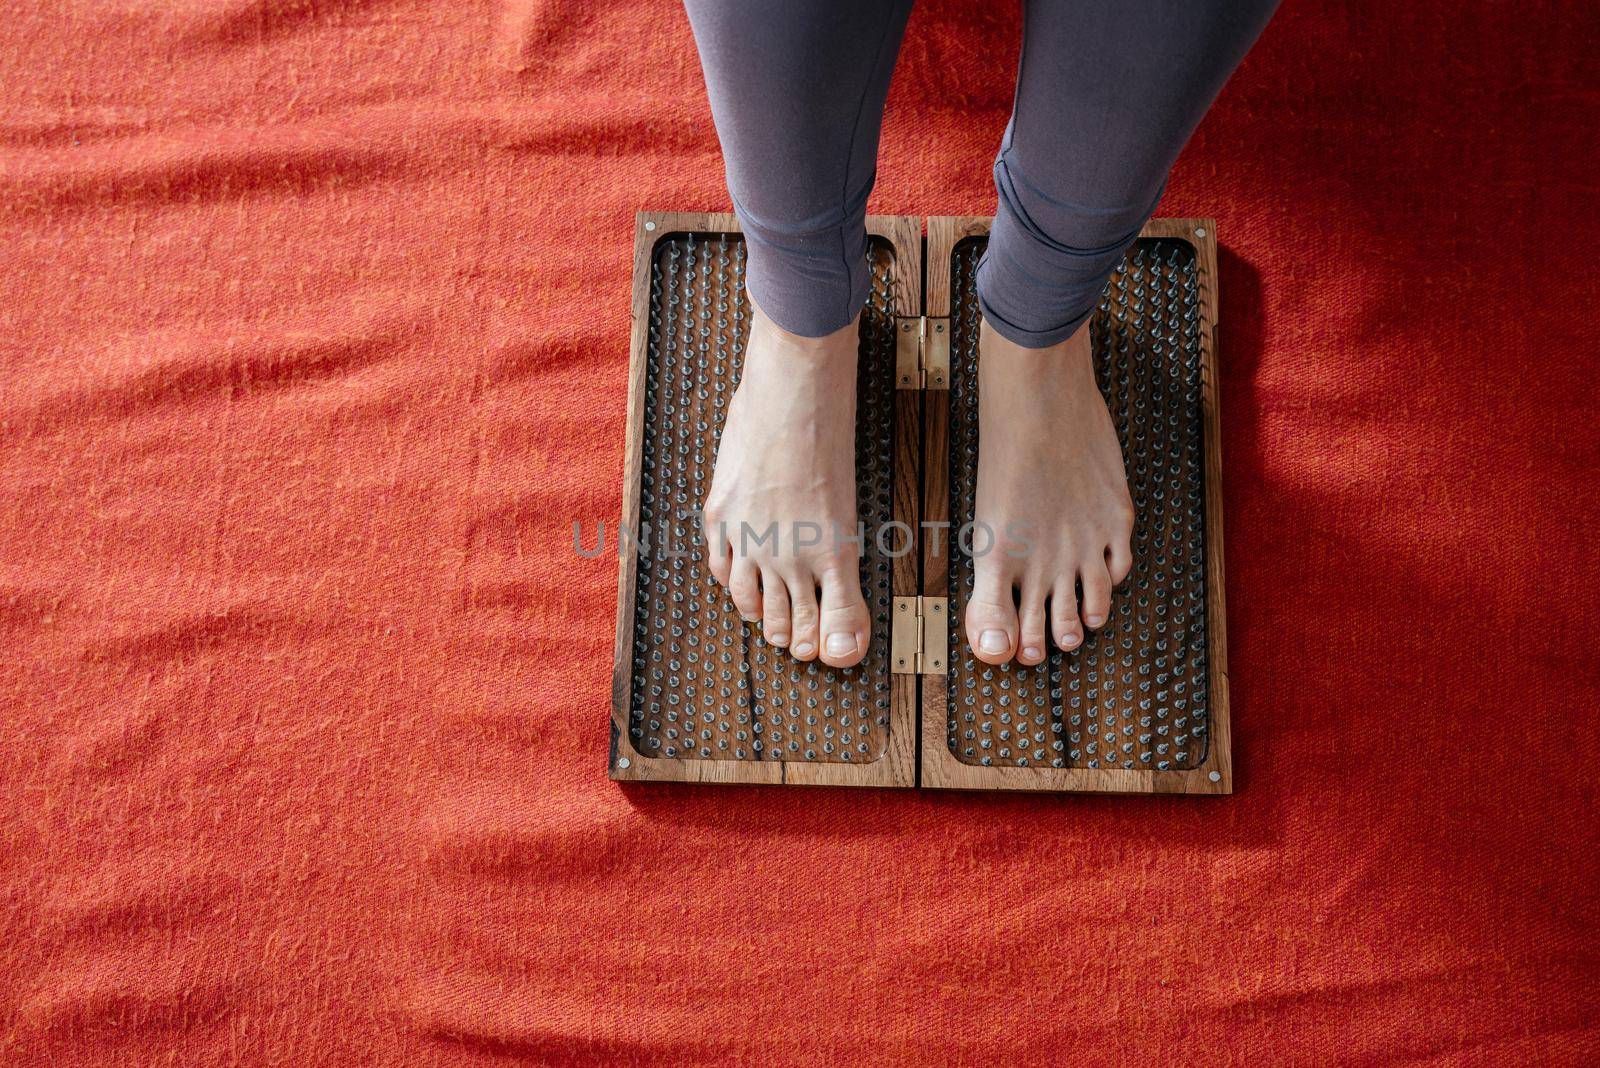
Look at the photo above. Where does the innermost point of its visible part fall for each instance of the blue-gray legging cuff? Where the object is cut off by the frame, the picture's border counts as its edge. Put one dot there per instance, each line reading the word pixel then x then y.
pixel 810 276
pixel 1035 291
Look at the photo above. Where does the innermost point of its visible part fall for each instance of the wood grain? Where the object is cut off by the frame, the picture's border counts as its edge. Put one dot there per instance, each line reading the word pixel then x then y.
pixel 945 232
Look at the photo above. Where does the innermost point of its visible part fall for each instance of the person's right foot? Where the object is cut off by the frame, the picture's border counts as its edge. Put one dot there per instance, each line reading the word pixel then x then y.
pixel 787 459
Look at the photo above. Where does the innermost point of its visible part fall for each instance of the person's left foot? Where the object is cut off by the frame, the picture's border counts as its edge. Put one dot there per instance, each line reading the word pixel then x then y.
pixel 1052 490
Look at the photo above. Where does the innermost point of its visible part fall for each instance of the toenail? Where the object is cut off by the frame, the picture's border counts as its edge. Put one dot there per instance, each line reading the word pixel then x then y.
pixel 780 640
pixel 1095 621
pixel 1069 639
pixel 803 649
pixel 1031 652
pixel 841 644
pixel 994 641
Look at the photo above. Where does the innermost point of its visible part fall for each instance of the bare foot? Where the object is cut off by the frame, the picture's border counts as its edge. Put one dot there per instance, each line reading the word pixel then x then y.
pixel 1052 489
pixel 786 464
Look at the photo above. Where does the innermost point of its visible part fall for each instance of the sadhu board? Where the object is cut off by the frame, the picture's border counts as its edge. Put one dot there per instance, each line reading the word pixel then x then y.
pixel 1141 707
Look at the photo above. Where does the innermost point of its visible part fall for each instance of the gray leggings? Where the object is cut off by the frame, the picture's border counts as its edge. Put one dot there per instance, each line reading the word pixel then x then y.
pixel 1108 92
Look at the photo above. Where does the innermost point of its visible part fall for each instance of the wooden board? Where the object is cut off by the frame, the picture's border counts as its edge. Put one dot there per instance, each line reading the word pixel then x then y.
pixel 918 744
pixel 941 768
pixel 893 761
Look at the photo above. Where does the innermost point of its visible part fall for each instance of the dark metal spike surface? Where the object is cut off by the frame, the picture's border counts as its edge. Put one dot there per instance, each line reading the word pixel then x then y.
pixel 705 685
pixel 1135 694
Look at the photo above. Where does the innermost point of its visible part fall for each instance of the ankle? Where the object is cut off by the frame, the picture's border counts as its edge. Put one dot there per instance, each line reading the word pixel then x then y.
pixel 799 349
pixel 800 370
pixel 1068 361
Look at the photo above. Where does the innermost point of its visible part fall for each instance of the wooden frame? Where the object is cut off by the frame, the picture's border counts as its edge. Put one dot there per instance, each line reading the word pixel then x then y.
pixel 897 765
pixel 939 767
pixel 916 752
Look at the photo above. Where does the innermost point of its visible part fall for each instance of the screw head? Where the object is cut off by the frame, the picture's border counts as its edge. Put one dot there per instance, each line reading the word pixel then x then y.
pixel 625 763
pixel 1215 776
pixel 651 226
pixel 1199 231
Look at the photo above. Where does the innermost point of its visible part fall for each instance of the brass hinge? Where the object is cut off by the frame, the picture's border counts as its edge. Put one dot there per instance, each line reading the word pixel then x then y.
pixel 922 352
pixel 919 637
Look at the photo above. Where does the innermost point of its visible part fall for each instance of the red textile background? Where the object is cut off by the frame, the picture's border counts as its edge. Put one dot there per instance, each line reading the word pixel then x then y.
pixel 314 330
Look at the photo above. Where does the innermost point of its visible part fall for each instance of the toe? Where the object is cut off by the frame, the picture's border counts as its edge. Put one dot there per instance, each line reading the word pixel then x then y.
pixel 719 554
pixel 745 586
pixel 719 558
pixel 1030 643
pixel 803 617
pixel 774 609
pixel 1064 617
pixel 1096 582
pixel 1119 560
pixel 992 622
pixel 846 626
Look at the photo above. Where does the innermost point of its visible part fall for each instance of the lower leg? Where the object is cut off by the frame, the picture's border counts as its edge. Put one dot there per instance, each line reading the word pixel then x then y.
pixel 797 91
pixel 1107 94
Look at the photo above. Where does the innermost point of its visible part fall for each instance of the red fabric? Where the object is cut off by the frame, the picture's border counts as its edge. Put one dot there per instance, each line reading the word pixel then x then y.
pixel 315 326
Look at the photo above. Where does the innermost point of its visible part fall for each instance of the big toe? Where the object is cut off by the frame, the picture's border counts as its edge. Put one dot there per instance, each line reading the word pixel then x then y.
pixel 846 624
pixel 992 625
